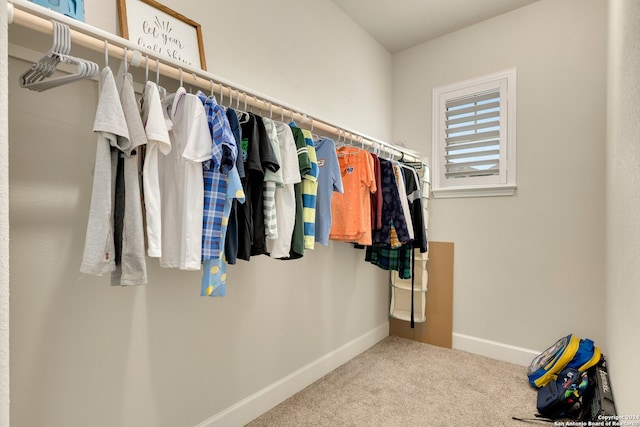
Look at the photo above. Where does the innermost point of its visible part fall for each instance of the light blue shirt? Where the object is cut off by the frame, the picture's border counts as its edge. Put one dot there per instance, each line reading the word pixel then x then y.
pixel 329 180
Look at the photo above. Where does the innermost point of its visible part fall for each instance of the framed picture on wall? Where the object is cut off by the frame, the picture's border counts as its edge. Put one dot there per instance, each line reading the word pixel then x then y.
pixel 162 30
pixel 71 8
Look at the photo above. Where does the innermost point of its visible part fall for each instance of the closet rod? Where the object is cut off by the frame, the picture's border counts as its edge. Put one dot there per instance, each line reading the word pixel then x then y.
pixel 38 18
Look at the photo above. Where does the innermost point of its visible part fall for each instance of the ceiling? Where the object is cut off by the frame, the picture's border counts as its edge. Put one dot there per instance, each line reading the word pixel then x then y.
pixel 400 24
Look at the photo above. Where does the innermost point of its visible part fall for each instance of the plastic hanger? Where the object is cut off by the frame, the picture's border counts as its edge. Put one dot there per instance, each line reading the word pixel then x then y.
pixel 106 53
pixel 230 98
pixel 313 135
pixel 195 80
pixel 46 66
pixel 161 90
pixel 37 78
pixel 338 142
pixel 126 60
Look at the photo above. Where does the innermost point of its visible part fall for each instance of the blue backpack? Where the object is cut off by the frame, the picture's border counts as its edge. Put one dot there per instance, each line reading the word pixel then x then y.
pixel 561 397
pixel 567 352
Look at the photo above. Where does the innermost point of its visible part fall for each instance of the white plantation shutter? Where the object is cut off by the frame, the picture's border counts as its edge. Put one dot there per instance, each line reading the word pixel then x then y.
pixel 474 137
pixel 472 142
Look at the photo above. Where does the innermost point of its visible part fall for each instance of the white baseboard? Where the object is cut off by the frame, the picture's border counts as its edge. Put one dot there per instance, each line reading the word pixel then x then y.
pixel 495 350
pixel 260 402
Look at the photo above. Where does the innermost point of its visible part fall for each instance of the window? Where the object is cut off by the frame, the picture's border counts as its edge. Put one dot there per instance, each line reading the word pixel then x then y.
pixel 474 137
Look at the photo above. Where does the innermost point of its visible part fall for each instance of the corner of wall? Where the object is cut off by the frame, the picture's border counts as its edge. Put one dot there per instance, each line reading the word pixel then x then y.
pixel 4 221
pixel 623 202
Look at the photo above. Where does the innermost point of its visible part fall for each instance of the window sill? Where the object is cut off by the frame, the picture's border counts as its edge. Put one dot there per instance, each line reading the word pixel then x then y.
pixel 448 193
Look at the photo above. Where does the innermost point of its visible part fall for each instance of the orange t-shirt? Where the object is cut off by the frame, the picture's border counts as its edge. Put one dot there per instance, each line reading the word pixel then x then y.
pixel 351 211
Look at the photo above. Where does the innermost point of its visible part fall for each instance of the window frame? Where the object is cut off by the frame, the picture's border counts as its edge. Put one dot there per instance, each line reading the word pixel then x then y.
pixel 502 184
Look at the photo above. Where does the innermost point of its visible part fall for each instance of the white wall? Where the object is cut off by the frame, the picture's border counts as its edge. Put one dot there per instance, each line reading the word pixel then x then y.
pixel 306 53
pixel 528 268
pixel 4 225
pixel 83 353
pixel 623 204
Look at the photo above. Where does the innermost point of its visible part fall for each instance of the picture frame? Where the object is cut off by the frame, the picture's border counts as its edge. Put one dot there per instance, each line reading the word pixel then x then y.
pixel 162 30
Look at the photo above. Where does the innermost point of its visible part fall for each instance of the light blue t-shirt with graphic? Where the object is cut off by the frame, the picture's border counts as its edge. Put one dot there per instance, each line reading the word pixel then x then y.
pixel 329 181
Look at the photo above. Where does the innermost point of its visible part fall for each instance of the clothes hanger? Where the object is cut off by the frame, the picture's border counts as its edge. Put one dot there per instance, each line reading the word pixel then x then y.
pixel 230 98
pixel 39 81
pixel 313 135
pixel 146 68
pixel 106 53
pixel 126 60
pixel 195 80
pixel 46 66
pixel 243 115
pixel 339 143
pixel 161 90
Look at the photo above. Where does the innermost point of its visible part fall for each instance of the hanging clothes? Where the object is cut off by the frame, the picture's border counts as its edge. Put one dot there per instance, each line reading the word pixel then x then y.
pixel 231 239
pixel 351 210
pixel 258 156
pixel 131 266
pixel 304 166
pixel 399 258
pixel 285 199
pixel 402 195
pixel 329 181
pixel 271 181
pixel 310 193
pixel 392 213
pixel 414 196
pixel 376 198
pixel 182 186
pixel 158 142
pixel 110 126
pixel 215 177
pixel 214 277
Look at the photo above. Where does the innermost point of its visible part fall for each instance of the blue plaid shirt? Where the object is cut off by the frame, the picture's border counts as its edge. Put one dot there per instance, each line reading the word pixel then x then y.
pixel 215 177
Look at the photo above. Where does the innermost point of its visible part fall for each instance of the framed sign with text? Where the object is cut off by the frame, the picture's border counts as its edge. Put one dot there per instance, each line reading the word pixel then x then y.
pixel 162 30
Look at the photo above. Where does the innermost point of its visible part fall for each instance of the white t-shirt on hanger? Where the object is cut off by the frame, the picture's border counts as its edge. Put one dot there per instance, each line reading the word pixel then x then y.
pixel 157 142
pixel 181 182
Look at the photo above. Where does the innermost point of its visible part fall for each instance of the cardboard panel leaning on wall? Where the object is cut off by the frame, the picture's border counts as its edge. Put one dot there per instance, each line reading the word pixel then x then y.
pixel 546 242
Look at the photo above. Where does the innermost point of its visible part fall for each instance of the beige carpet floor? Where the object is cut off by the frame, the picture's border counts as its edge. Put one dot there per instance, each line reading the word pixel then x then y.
pixel 399 382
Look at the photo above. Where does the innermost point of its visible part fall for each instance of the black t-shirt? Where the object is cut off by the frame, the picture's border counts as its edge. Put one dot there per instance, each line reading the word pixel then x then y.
pixel 258 155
